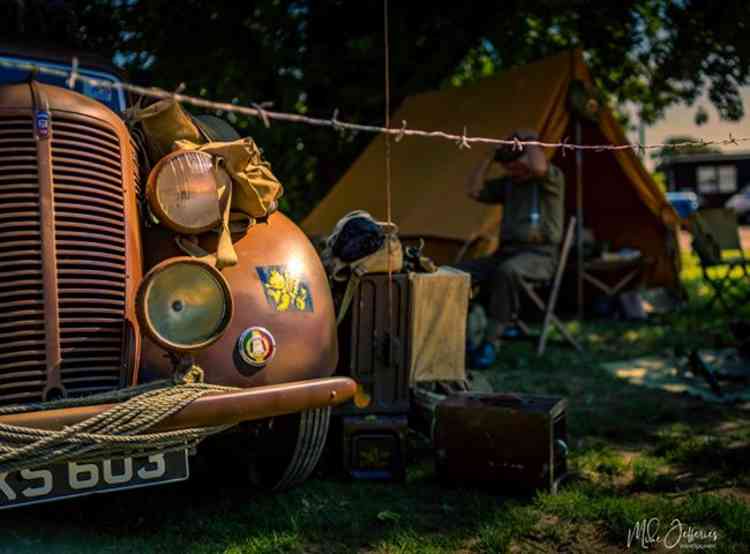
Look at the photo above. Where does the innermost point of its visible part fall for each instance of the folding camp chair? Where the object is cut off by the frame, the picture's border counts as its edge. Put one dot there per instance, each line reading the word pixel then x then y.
pixel 716 241
pixel 532 286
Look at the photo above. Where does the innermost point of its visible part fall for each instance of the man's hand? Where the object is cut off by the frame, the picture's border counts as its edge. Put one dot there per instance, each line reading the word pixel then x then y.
pixel 531 164
pixel 475 180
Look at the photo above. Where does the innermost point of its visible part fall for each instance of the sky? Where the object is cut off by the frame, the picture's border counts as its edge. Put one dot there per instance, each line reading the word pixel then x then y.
pixel 680 120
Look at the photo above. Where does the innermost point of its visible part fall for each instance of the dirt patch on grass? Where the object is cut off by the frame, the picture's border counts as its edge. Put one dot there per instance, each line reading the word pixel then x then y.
pixel 738 493
pixel 554 535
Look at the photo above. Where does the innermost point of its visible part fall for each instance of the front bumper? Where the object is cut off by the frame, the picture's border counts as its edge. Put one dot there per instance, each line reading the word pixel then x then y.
pixel 214 409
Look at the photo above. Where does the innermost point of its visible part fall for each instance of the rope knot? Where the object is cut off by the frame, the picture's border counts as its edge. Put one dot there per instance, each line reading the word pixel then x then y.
pixel 187 372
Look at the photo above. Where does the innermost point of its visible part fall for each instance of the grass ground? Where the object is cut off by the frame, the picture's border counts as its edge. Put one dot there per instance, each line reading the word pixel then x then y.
pixel 636 454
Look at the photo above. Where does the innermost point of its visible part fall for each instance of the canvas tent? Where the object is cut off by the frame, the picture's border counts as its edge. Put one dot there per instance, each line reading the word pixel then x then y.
pixel 623 206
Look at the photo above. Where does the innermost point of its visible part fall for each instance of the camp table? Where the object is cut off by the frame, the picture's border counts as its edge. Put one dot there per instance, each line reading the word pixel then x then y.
pixel 628 271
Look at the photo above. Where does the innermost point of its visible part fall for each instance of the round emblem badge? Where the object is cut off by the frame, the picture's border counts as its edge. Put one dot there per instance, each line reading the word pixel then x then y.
pixel 256 346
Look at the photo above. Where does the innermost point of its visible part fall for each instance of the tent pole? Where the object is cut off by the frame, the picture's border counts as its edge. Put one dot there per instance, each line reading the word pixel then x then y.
pixel 579 220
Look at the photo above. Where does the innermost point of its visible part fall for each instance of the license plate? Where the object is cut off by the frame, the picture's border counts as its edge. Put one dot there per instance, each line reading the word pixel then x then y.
pixel 67 480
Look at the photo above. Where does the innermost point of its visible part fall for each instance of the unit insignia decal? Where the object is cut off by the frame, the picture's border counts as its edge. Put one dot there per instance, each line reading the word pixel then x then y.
pixel 285 291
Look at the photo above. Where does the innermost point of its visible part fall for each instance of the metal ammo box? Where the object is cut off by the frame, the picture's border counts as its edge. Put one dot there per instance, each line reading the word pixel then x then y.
pixel 368 353
pixel 375 352
pixel 509 442
pixel 374 447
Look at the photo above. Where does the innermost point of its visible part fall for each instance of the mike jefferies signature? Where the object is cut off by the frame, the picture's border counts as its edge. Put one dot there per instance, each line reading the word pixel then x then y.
pixel 646 533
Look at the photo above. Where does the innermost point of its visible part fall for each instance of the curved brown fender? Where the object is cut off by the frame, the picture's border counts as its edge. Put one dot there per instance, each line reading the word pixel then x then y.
pixel 304 332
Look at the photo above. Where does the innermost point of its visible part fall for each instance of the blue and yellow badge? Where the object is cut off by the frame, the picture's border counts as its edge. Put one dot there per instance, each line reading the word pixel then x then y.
pixel 286 291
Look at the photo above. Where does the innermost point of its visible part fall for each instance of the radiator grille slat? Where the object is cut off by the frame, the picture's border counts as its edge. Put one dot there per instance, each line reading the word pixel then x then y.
pixel 28 362
pixel 32 393
pixel 74 171
pixel 72 239
pixel 89 188
pixel 90 242
pixel 87 134
pixel 20 375
pixel 98 159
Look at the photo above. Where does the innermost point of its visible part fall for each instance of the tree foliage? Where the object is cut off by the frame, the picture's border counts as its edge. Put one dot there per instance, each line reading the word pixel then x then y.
pixel 318 56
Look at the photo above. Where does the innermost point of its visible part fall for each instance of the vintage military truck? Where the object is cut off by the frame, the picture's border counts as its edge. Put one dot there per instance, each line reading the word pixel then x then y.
pixel 96 297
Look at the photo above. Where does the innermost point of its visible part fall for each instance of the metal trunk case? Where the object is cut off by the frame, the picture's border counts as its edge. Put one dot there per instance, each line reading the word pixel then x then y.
pixel 507 442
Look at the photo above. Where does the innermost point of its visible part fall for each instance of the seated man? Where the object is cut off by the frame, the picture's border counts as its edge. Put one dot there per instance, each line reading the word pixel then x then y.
pixel 532 192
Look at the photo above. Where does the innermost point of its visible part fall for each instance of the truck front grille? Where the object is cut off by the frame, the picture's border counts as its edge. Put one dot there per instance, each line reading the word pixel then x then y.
pixel 90 254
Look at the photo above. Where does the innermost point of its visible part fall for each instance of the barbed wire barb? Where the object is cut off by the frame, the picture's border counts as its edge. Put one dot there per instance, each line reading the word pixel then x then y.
pixel 71 82
pixel 177 94
pixel 263 115
pixel 564 147
pixel 462 142
pixel 402 131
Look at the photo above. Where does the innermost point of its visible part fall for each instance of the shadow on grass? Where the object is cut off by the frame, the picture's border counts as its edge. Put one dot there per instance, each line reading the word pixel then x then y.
pixel 216 512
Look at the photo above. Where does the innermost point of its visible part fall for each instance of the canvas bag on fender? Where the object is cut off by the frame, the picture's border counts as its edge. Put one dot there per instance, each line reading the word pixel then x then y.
pixel 168 127
pixel 253 191
pixel 163 123
pixel 256 189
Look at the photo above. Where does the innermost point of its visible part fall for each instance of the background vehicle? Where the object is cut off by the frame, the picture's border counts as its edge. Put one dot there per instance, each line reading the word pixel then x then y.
pixel 77 313
pixel 91 66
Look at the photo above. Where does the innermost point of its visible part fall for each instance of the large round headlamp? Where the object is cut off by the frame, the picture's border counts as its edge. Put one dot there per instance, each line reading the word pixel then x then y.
pixel 184 304
pixel 183 191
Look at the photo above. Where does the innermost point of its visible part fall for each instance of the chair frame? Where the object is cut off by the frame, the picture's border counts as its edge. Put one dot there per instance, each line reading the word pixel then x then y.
pixel 550 319
pixel 710 253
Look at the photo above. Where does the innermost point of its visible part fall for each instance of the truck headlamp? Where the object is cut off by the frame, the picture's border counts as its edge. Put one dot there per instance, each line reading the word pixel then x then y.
pixel 184 304
pixel 183 191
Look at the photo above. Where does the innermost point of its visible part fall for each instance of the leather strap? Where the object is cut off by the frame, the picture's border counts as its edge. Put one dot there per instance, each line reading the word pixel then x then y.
pixel 225 253
pixel 351 287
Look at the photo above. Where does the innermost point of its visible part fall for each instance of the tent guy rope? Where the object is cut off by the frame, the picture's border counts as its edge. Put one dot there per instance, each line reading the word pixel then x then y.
pixel 463 141
pixel 388 173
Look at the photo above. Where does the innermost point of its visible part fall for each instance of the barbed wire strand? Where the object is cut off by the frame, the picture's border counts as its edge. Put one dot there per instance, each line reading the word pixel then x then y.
pixel 463 141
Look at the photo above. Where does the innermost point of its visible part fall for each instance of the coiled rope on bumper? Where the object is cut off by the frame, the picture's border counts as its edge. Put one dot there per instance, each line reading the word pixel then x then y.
pixel 120 431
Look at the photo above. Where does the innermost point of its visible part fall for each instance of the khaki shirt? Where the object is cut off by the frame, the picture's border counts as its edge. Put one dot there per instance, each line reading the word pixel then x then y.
pixel 521 199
